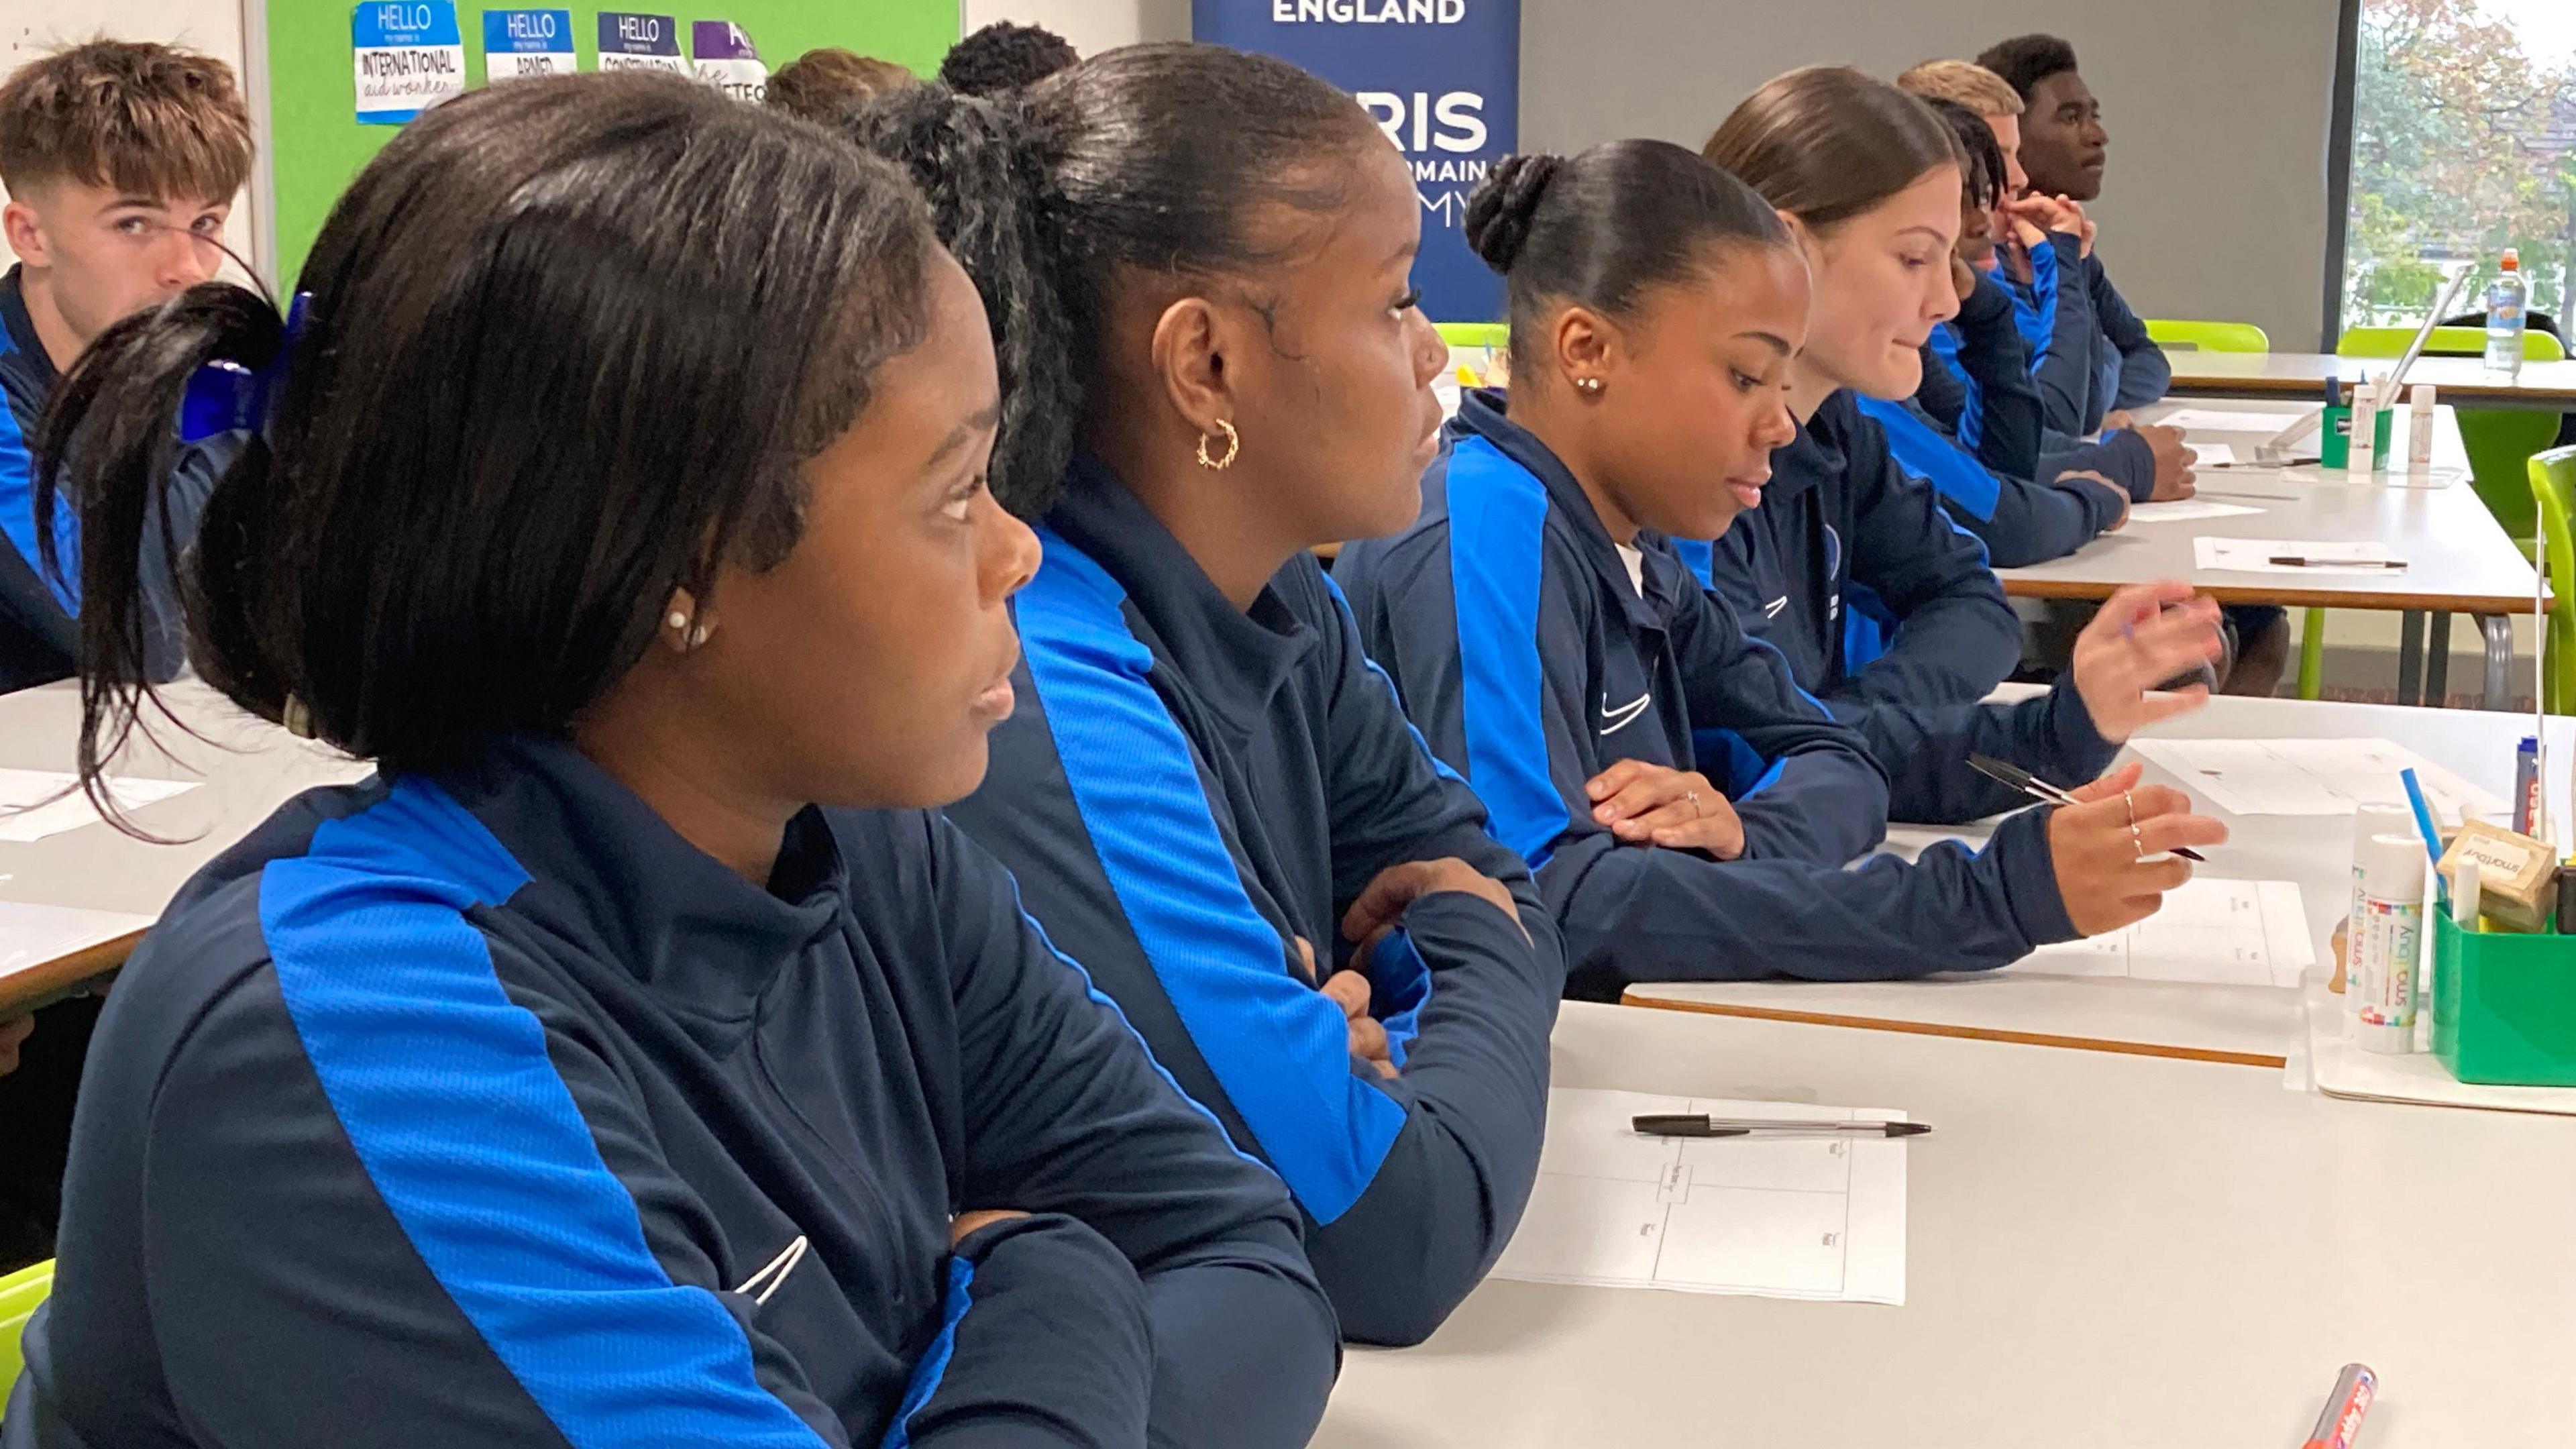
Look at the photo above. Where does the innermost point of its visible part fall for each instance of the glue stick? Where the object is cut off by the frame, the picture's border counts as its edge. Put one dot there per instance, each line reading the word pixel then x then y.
pixel 2419 427
pixel 2368 821
pixel 2361 457
pixel 2387 936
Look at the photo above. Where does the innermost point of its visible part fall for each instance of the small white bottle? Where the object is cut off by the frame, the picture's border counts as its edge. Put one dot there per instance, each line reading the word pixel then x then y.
pixel 2419 428
pixel 2363 455
pixel 2387 936
pixel 2368 821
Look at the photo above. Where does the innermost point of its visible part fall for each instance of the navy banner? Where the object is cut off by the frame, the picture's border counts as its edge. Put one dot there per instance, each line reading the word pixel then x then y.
pixel 1443 77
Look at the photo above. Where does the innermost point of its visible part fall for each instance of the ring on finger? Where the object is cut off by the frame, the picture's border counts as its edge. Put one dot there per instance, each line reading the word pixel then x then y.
pixel 2131 801
pixel 1693 797
pixel 2138 841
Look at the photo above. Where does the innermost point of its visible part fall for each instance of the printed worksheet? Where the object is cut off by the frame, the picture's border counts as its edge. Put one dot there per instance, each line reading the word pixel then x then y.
pixel 2315 777
pixel 2184 510
pixel 2308 558
pixel 34 935
pixel 2220 420
pixel 2214 455
pixel 2212 932
pixel 1769 1217
pixel 38 803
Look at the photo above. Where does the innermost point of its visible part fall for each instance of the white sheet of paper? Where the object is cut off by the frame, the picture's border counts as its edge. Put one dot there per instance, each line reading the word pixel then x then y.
pixel 33 803
pixel 2213 932
pixel 2183 510
pixel 2214 455
pixel 1778 1218
pixel 2255 555
pixel 34 935
pixel 2315 776
pixel 2218 420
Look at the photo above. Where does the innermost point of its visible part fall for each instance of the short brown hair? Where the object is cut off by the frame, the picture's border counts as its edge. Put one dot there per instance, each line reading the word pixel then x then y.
pixel 136 117
pixel 1962 82
pixel 1828 143
pixel 823 83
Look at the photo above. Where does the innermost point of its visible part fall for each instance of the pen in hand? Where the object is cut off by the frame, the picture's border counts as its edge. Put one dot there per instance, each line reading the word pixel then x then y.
pixel 2039 789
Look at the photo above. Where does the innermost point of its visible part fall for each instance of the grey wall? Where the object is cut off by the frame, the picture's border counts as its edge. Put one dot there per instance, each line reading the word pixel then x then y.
pixel 2214 204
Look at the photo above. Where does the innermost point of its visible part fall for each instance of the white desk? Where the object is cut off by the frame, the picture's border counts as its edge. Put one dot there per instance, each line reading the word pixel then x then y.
pixel 248 767
pixel 2459 560
pixel 2301 377
pixel 2103 1251
pixel 2249 1026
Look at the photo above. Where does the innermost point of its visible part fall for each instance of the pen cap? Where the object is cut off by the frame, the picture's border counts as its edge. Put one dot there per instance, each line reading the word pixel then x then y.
pixel 2392 867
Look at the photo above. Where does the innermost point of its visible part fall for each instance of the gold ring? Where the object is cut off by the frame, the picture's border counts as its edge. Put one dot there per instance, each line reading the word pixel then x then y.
pixel 1693 797
pixel 2138 842
pixel 2132 802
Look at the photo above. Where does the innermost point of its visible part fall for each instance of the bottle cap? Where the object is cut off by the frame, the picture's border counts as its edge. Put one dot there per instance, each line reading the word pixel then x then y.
pixel 2372 820
pixel 2392 867
pixel 2512 261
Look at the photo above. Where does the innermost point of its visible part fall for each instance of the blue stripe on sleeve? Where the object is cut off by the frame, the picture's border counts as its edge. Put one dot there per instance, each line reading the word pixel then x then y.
pixel 1923 452
pixel 453 1107
pixel 933 1367
pixel 1279 1048
pixel 2035 309
pixel 1972 407
pixel 1497 541
pixel 18 512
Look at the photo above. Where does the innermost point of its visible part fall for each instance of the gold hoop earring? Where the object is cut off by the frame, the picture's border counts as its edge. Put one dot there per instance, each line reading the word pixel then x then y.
pixel 1233 445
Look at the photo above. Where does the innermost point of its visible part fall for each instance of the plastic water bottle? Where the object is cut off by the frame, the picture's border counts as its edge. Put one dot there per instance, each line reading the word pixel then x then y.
pixel 2504 316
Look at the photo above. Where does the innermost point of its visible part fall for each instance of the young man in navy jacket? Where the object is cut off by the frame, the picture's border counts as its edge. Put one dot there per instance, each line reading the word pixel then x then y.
pixel 121 160
pixel 2064 148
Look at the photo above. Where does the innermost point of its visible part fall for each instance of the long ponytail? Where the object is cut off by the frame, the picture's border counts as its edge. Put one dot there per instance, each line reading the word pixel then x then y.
pixel 107 450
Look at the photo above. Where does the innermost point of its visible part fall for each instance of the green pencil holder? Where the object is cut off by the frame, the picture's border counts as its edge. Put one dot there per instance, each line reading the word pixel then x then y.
pixel 2504 1006
pixel 2334 448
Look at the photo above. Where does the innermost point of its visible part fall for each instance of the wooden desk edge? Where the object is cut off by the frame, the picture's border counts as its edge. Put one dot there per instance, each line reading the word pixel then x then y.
pixel 2021 586
pixel 1965 1033
pixel 39 984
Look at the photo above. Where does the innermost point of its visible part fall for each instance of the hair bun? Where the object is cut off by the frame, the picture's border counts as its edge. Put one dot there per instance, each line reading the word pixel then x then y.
pixel 1500 211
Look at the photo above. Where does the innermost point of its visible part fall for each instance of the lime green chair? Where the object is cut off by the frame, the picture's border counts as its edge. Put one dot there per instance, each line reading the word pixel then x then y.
pixel 1496 335
pixel 20 1292
pixel 2553 491
pixel 2500 441
pixel 2209 336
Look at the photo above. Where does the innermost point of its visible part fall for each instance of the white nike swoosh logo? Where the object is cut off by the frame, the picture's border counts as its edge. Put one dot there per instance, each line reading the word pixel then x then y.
pixel 1772 609
pixel 1615 719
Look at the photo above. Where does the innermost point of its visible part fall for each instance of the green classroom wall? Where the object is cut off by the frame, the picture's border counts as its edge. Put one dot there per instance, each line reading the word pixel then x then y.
pixel 317 145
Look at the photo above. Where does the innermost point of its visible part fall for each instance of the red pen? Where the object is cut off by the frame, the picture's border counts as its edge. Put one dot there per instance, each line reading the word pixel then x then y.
pixel 2340 1425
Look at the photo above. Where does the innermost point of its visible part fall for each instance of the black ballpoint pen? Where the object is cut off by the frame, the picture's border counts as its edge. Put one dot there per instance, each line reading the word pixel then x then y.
pixel 2039 789
pixel 1693 1124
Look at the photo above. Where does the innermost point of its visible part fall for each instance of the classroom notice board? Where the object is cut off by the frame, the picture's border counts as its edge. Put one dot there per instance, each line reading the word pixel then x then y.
pixel 316 143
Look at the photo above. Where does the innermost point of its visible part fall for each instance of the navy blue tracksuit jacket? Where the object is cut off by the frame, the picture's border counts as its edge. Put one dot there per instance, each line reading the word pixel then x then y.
pixel 2075 369
pixel 39 633
pixel 1842 527
pixel 1995 492
pixel 1188 789
pixel 484 1110
pixel 1533 663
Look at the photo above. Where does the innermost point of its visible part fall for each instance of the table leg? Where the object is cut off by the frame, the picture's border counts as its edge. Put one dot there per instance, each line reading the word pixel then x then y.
pixel 2410 657
pixel 2437 661
pixel 2499 631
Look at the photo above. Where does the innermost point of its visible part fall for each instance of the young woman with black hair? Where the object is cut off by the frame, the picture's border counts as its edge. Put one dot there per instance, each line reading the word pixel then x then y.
pixel 618 488
pixel 1688 808
pixel 1197 262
